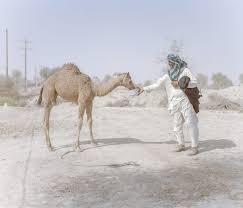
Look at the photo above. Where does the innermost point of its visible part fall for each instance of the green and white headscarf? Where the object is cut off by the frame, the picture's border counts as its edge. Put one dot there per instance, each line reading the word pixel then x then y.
pixel 178 67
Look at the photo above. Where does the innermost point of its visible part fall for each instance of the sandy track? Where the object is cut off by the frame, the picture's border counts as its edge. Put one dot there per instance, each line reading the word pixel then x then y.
pixel 133 166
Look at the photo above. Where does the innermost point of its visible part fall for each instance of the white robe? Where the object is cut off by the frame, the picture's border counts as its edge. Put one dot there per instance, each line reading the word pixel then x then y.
pixel 181 109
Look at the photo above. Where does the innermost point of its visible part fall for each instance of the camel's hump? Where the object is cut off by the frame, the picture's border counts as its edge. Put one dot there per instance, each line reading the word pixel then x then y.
pixel 71 67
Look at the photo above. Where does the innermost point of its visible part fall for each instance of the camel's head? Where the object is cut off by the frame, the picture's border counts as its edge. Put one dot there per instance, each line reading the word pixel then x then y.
pixel 127 81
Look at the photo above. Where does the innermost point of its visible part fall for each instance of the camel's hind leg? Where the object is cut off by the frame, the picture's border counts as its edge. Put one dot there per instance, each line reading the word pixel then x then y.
pixel 80 124
pixel 90 122
pixel 49 97
pixel 46 124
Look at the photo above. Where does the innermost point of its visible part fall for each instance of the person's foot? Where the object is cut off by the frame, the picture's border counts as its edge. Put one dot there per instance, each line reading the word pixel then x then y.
pixel 193 151
pixel 180 148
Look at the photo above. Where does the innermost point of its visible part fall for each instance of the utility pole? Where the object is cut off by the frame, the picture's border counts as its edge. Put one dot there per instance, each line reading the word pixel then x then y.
pixel 25 63
pixel 6 53
pixel 36 79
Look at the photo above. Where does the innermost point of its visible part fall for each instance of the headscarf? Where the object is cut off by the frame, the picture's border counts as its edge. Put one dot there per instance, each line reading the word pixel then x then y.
pixel 178 67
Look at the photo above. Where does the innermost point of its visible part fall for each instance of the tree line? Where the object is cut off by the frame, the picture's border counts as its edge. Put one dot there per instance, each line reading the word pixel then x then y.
pixel 218 80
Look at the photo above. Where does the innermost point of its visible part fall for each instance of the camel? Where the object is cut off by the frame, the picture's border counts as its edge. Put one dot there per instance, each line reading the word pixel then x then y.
pixel 74 86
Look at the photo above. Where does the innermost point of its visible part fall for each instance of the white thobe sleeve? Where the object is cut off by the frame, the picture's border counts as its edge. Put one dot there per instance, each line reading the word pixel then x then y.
pixel 156 85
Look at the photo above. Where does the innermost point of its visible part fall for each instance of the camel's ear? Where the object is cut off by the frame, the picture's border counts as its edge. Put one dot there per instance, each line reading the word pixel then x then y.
pixel 128 75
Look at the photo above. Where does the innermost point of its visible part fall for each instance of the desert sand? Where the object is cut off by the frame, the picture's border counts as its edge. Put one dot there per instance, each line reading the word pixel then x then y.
pixel 133 165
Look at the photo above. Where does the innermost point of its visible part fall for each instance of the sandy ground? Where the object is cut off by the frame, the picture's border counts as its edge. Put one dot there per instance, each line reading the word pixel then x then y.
pixel 133 166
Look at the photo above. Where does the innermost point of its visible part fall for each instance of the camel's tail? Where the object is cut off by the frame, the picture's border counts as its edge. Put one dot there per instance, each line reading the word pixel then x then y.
pixel 40 97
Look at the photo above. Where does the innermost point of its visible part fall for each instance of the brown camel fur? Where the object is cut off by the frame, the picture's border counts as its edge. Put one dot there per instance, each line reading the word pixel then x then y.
pixel 75 86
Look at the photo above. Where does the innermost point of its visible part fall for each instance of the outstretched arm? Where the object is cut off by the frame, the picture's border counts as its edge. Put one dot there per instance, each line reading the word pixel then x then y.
pixel 154 86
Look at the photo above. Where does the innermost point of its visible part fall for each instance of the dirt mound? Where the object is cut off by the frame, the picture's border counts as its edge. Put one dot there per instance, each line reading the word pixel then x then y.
pixel 9 94
pixel 218 102
pixel 227 99
pixel 234 93
pixel 121 98
pixel 7 88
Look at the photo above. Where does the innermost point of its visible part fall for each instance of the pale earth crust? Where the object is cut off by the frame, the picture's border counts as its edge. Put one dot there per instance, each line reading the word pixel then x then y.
pixel 133 165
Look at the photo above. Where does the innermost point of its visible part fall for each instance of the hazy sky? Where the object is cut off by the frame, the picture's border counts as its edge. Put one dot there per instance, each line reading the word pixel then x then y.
pixel 106 36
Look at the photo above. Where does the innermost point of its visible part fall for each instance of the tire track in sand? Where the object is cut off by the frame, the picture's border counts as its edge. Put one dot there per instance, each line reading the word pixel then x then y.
pixel 31 125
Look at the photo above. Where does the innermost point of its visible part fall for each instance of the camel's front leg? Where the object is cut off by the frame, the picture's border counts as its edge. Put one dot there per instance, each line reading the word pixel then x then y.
pixel 90 122
pixel 80 124
pixel 46 126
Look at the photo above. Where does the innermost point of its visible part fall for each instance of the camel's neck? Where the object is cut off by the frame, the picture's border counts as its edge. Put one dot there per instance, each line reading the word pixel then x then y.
pixel 105 88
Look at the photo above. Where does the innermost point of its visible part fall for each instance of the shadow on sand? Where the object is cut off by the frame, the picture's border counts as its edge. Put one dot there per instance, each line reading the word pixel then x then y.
pixel 209 145
pixel 205 146
pixel 105 142
pixel 110 141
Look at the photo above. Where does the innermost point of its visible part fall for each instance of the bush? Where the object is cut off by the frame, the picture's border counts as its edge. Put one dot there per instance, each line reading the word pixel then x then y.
pixel 9 93
pixel 220 81
pixel 106 78
pixel 7 87
pixel 45 72
pixel 241 78
pixel 202 81
pixel 17 76
pixel 13 101
pixel 96 80
pixel 147 83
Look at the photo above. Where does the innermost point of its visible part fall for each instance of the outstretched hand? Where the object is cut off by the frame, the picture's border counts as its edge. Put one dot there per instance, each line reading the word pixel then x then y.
pixel 140 90
pixel 137 91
